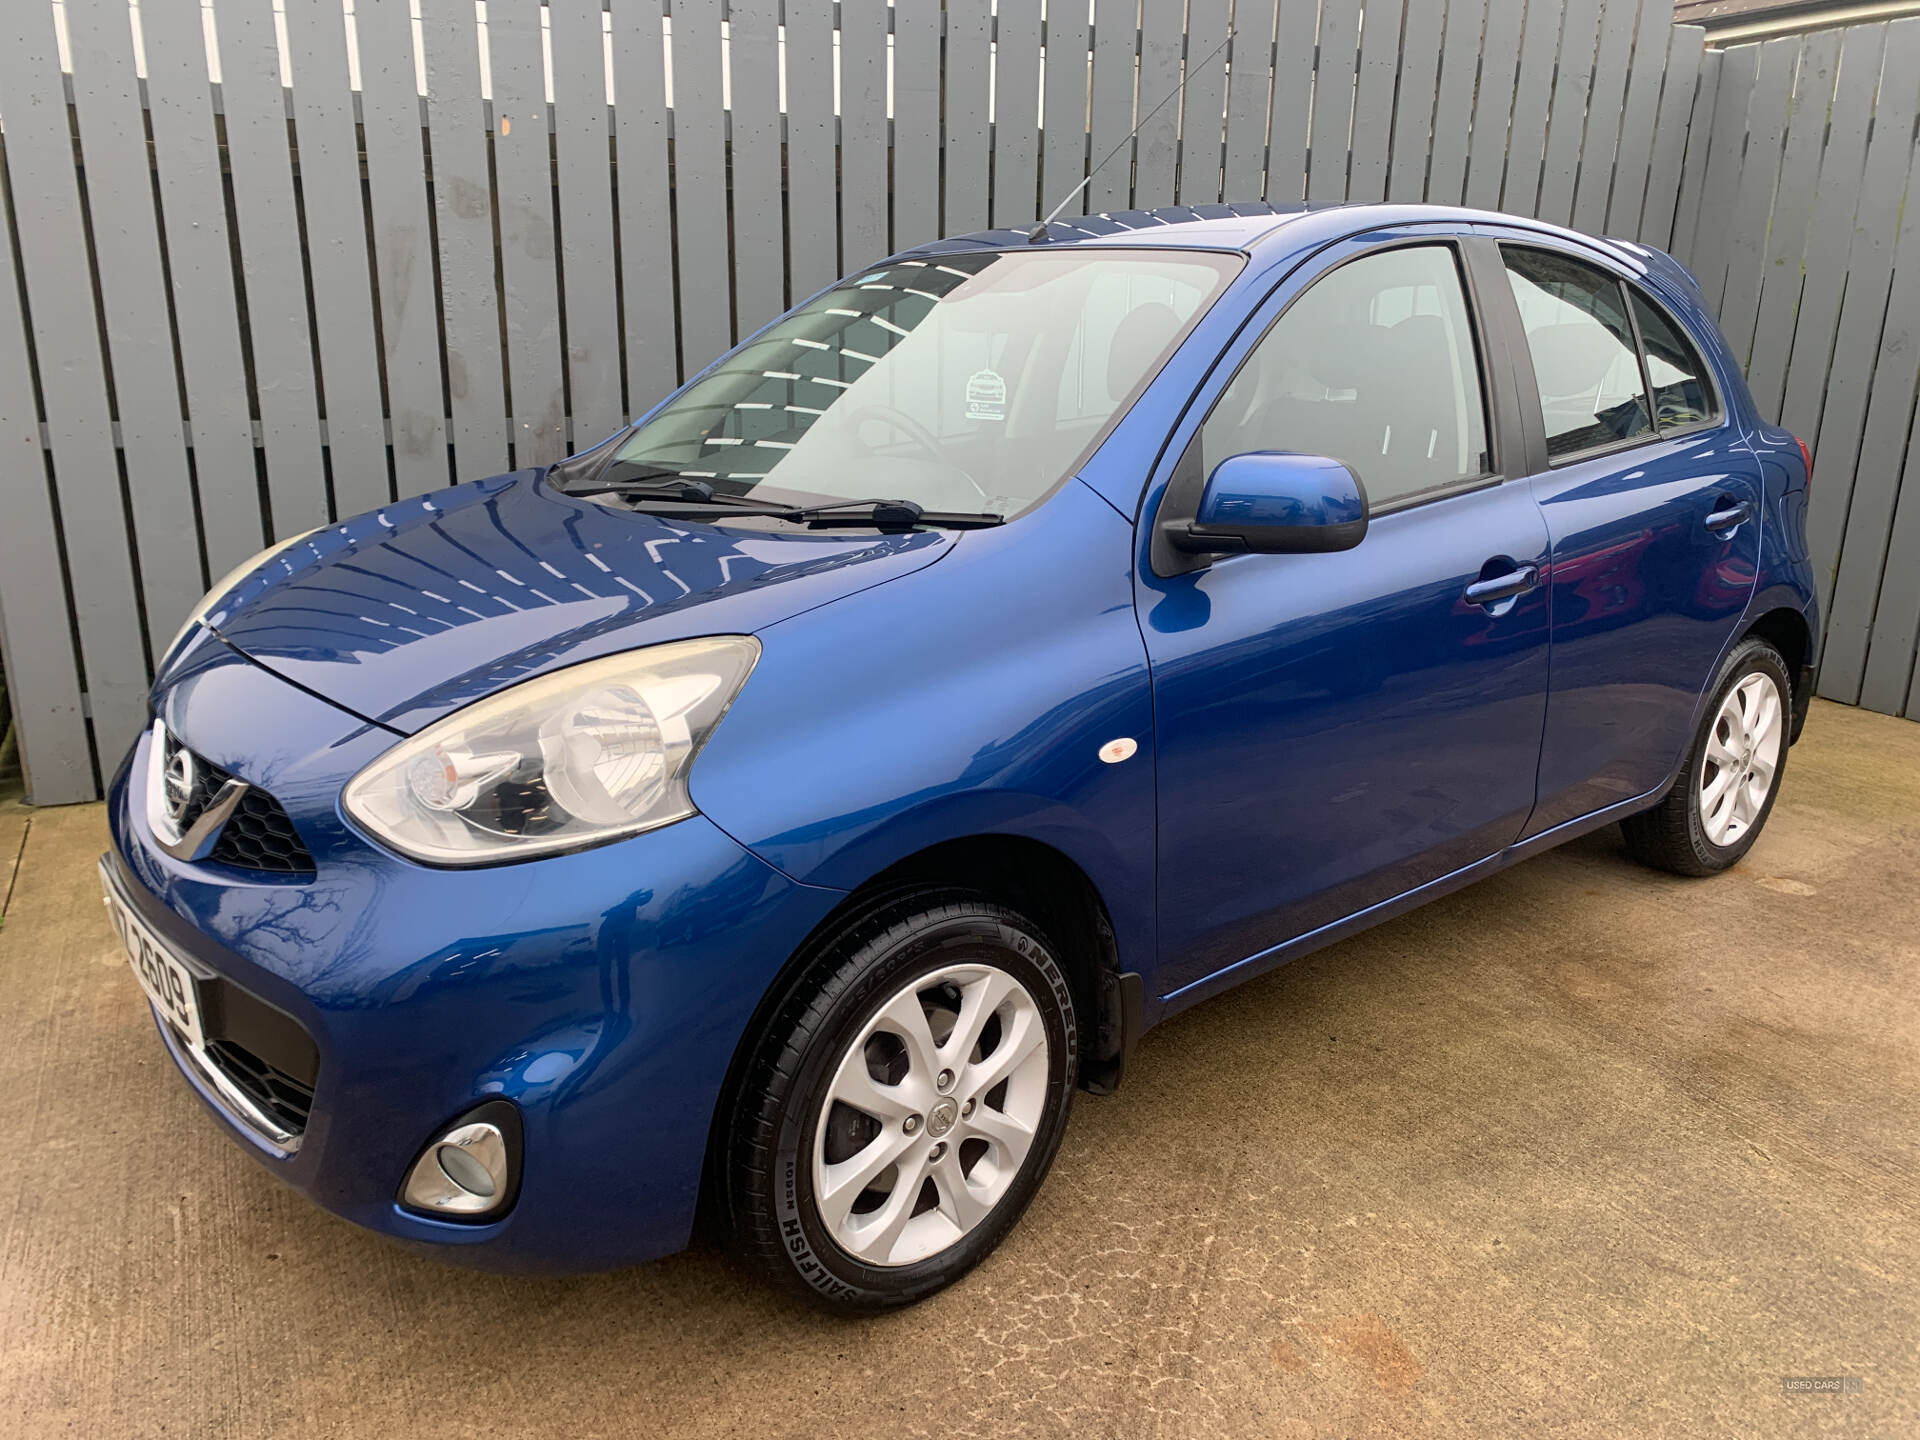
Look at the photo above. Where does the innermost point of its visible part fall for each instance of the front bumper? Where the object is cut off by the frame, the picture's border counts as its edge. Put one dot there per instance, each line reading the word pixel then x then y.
pixel 604 993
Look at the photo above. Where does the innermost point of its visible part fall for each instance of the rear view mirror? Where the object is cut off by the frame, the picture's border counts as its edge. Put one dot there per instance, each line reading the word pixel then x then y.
pixel 1274 502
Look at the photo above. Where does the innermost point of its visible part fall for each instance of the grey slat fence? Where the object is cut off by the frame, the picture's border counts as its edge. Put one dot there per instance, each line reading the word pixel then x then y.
pixel 269 264
pixel 1805 235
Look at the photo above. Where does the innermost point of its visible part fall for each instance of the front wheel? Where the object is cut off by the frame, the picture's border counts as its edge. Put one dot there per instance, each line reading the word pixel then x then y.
pixel 906 1103
pixel 1726 790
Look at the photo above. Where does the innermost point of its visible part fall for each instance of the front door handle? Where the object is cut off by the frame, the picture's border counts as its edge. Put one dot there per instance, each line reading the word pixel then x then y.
pixel 1503 587
pixel 1729 516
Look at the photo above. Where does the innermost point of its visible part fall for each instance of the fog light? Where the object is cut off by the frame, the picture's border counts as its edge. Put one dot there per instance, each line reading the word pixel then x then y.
pixel 468 1171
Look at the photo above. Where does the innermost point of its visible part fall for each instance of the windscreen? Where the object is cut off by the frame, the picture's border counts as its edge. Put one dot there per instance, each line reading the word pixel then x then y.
pixel 970 382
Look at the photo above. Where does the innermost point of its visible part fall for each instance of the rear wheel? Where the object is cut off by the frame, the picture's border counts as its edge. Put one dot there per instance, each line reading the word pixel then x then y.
pixel 1717 807
pixel 906 1104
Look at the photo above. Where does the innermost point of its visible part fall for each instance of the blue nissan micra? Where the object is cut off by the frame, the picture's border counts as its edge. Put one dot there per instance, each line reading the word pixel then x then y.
pixel 786 805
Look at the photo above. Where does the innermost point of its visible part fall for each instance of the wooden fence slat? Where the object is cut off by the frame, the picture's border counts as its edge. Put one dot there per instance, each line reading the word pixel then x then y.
pixel 1883 446
pixel 194 211
pixel 1493 105
pixel 1016 116
pixel 335 212
pixel 1753 196
pixel 1567 117
pixel 403 249
pixel 1863 311
pixel 1163 39
pixel 53 253
pixel 1693 163
pixel 1784 272
pixel 1249 93
pixel 646 237
pixel 43 678
pixel 1532 97
pixel 1594 182
pixel 1373 100
pixel 969 93
pixel 1650 47
pixel 759 229
pixel 1713 239
pixel 1890 679
pixel 863 140
pixel 1110 105
pixel 270 255
pixel 1684 78
pixel 523 171
pixel 133 295
pixel 463 216
pixel 700 181
pixel 813 237
pixel 584 155
pixel 1460 51
pixel 916 126
pixel 1064 108
pixel 1288 122
pixel 1830 233
pixel 1333 89
pixel 1202 106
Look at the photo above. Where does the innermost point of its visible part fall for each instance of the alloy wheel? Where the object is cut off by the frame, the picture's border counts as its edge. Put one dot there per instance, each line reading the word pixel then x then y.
pixel 1742 755
pixel 930 1115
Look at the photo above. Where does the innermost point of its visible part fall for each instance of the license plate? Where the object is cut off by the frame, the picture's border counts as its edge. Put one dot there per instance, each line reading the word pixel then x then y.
pixel 168 983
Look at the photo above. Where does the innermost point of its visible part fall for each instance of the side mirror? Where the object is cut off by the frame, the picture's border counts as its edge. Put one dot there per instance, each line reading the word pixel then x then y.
pixel 1274 502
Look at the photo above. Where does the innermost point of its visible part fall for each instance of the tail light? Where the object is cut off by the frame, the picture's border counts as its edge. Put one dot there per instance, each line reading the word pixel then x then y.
pixel 1806 455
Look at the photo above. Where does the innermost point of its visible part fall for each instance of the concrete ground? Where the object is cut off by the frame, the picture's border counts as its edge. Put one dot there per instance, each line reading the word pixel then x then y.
pixel 1583 1150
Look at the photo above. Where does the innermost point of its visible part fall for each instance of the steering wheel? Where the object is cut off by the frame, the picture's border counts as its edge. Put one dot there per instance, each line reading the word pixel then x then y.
pixel 922 438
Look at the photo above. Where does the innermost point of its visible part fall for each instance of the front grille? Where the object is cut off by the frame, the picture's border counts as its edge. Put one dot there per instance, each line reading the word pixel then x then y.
pixel 279 1094
pixel 259 836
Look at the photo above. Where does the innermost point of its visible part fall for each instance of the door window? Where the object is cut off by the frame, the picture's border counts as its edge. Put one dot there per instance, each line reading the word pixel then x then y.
pixel 1584 361
pixel 1682 394
pixel 1373 365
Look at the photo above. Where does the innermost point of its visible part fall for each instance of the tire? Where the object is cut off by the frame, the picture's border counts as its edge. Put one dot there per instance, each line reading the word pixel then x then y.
pixel 1689 834
pixel 845 1029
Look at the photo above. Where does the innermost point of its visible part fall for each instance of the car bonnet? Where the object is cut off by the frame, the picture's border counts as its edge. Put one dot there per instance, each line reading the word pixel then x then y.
pixel 407 613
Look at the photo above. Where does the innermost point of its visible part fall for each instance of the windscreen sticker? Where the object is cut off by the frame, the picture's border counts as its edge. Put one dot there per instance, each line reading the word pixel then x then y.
pixel 986 396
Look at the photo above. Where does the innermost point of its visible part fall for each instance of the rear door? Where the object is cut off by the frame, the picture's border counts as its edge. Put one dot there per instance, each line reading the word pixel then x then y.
pixel 1652 502
pixel 1335 730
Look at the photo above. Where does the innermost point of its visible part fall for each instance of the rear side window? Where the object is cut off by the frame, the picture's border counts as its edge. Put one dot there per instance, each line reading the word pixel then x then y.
pixel 1584 360
pixel 1682 393
pixel 1373 365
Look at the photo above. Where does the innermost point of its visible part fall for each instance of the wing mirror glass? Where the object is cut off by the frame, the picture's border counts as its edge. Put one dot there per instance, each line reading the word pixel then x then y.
pixel 1274 502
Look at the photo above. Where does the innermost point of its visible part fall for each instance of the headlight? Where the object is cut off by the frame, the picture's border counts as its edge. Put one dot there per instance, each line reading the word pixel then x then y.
pixel 227 581
pixel 575 758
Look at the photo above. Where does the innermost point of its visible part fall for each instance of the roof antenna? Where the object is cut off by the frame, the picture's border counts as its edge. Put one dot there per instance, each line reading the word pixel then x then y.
pixel 1039 232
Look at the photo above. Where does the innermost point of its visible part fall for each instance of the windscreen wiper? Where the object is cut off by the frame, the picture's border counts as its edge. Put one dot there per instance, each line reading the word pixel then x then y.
pixel 686 492
pixel 885 514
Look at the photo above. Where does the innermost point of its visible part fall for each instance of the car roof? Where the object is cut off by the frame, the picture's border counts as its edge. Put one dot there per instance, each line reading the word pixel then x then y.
pixel 1254 226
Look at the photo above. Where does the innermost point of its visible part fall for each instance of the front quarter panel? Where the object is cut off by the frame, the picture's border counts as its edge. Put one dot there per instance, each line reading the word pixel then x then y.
pixel 969 698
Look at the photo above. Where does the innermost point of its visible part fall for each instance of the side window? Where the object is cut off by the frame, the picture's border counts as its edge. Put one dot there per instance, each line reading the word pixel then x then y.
pixel 1584 359
pixel 1373 365
pixel 1682 393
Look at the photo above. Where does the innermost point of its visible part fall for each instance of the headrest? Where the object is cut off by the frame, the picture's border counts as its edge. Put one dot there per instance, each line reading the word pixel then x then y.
pixel 1137 342
pixel 1345 355
pixel 1572 358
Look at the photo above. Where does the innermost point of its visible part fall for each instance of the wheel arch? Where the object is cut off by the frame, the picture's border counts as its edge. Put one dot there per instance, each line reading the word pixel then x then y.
pixel 1785 627
pixel 1035 878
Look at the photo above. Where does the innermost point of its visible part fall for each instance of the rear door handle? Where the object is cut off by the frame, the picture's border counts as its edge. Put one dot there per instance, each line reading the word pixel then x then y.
pixel 1503 587
pixel 1728 516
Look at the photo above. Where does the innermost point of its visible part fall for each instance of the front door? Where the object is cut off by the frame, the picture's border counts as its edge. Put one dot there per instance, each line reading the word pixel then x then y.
pixel 1333 731
pixel 1652 500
